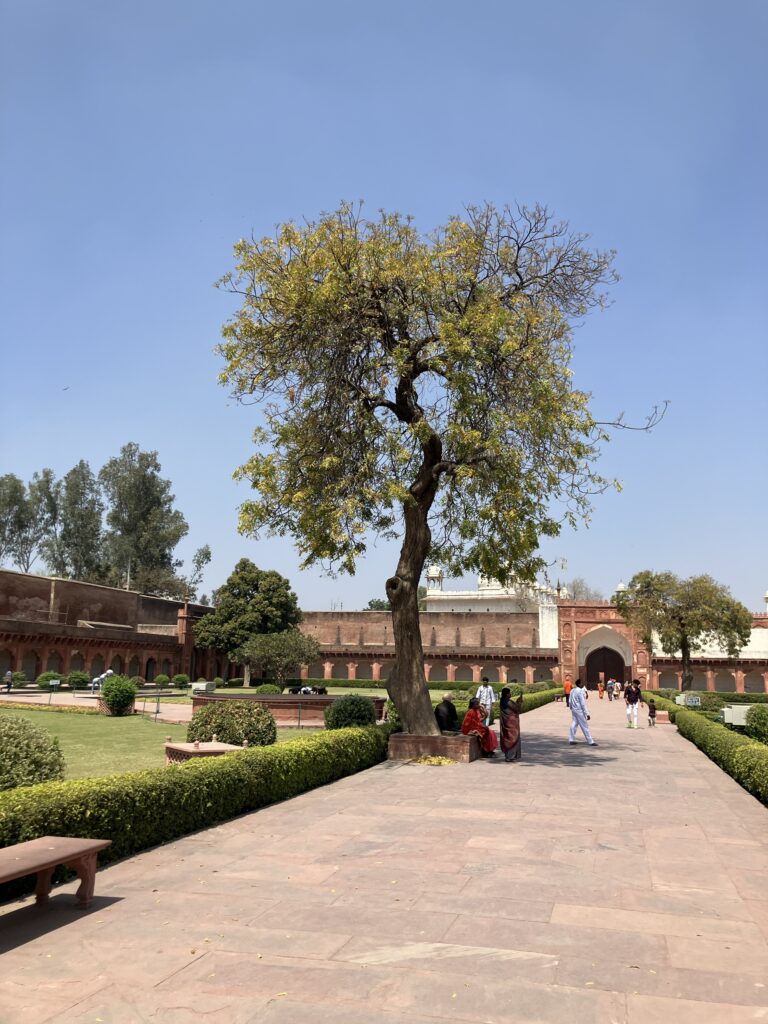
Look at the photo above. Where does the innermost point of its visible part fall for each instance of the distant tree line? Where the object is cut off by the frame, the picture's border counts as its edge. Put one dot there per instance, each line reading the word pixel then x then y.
pixel 117 527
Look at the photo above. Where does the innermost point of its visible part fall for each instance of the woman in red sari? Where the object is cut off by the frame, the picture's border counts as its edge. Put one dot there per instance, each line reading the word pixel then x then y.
pixel 474 725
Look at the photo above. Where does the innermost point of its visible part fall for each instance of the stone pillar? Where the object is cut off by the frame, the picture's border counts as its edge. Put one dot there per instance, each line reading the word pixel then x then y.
pixel 351 670
pixel 476 672
pixel 529 674
pixel 304 672
pixel 44 652
pixel 503 674
pixel 376 671
pixel 654 682
pixel 327 670
pixel 450 673
pixel 679 675
pixel 710 680
pixel 765 681
pixel 427 670
pixel 739 680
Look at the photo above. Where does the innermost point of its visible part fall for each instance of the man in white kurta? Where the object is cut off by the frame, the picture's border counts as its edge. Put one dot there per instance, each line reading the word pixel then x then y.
pixel 579 714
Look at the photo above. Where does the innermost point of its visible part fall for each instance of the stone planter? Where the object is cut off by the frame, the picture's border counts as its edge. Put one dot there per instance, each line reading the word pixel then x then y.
pixel 404 747
pixel 123 714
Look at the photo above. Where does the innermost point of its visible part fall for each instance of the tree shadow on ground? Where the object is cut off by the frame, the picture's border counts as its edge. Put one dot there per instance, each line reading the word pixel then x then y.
pixel 556 752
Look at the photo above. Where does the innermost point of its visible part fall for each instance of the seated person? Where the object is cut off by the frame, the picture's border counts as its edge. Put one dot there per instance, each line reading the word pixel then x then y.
pixel 474 725
pixel 447 715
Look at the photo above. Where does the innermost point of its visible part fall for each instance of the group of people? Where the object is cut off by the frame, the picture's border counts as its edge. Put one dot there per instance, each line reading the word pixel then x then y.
pixel 576 698
pixel 477 721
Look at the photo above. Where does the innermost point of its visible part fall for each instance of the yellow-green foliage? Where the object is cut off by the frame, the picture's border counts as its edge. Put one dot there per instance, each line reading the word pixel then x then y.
pixel 137 810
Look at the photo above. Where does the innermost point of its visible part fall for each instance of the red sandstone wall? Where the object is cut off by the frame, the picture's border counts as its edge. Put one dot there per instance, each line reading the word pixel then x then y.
pixel 374 629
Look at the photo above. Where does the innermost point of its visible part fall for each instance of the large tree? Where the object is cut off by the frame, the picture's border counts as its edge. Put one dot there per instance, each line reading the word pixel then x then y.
pixel 420 388
pixel 143 527
pixel 579 590
pixel 678 616
pixel 252 602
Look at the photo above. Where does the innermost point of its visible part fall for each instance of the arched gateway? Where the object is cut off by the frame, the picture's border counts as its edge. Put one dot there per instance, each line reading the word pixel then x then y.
pixel 604 652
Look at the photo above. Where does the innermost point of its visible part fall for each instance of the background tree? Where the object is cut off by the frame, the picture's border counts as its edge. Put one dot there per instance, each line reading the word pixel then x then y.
pixel 680 616
pixel 280 655
pixel 34 519
pixel 12 501
pixel 253 601
pixel 580 590
pixel 143 527
pixel 74 548
pixel 416 387
pixel 200 560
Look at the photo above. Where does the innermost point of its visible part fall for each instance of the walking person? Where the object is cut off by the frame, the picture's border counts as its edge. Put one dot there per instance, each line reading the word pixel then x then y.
pixel 579 716
pixel 632 698
pixel 600 688
pixel 8 680
pixel 609 688
pixel 487 697
pixel 651 713
pixel 616 690
pixel 567 687
pixel 509 727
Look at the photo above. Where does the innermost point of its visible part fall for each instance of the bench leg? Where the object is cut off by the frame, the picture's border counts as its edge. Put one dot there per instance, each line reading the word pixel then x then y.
pixel 43 887
pixel 86 872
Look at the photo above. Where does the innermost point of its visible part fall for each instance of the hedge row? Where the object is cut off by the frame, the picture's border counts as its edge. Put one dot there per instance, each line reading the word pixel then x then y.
pixel 743 759
pixel 61 709
pixel 137 810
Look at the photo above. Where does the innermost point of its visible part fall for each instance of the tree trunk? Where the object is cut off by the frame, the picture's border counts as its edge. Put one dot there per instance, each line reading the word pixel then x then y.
pixel 246 674
pixel 407 685
pixel 687 680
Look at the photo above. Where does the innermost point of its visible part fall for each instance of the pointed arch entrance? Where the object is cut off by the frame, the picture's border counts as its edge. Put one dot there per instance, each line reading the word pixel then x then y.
pixel 604 651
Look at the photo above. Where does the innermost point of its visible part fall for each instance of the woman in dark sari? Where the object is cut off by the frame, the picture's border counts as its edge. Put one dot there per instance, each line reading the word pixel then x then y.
pixel 509 726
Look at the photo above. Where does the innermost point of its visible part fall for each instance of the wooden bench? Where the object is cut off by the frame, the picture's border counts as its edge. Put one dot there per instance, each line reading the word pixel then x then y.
pixel 43 856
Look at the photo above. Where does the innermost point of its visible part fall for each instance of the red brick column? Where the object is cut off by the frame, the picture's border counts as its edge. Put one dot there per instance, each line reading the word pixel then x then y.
pixel 529 674
pixel 376 671
pixel 739 674
pixel 351 670
pixel 710 680
pixel 327 670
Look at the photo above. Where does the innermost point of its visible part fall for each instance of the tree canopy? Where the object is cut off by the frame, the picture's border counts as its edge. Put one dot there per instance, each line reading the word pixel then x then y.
pixel 280 655
pixel 251 602
pixel 420 387
pixel 680 615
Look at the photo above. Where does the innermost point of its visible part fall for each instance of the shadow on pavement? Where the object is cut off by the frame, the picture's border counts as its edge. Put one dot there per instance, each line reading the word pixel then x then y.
pixel 32 920
pixel 557 752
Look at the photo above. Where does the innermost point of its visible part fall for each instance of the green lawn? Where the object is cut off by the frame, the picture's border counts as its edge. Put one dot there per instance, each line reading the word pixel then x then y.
pixel 97 745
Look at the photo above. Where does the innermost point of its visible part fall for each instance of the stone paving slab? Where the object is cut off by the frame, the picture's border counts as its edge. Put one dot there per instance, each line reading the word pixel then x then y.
pixel 624 884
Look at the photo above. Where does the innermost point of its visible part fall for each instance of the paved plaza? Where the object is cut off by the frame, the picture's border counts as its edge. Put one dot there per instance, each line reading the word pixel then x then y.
pixel 622 883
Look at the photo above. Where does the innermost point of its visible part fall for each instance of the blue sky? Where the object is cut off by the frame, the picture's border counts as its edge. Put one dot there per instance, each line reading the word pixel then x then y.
pixel 141 140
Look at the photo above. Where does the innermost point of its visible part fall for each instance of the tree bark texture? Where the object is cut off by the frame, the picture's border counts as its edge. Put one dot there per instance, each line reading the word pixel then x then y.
pixel 407 685
pixel 685 651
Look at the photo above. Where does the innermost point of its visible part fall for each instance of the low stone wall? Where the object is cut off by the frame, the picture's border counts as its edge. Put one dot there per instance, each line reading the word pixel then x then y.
pixel 405 747
pixel 288 709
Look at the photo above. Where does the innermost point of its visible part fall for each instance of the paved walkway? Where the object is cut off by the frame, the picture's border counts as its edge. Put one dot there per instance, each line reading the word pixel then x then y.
pixel 622 883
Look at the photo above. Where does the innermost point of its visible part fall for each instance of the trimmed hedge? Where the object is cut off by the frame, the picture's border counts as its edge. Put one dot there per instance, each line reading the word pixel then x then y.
pixel 137 810
pixel 233 721
pixel 745 760
pixel 162 679
pixel 78 680
pixel 28 754
pixel 119 694
pixel 267 688
pixel 350 710
pixel 45 677
pixel 757 723
pixel 61 709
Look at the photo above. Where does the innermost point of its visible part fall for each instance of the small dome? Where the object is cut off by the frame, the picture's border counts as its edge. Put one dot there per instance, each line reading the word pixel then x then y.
pixel 434 572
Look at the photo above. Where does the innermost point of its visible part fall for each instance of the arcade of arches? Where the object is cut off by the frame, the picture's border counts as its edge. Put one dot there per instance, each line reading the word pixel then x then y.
pixel 62 625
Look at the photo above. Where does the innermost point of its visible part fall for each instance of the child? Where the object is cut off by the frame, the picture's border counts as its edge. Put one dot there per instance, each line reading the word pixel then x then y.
pixel 651 712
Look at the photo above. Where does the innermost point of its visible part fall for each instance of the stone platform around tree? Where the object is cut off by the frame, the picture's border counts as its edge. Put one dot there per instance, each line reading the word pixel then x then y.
pixel 460 748
pixel 617 884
